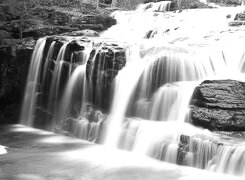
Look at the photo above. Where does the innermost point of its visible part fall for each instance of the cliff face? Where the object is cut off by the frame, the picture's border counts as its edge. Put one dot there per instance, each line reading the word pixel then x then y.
pixel 219 105
pixel 14 63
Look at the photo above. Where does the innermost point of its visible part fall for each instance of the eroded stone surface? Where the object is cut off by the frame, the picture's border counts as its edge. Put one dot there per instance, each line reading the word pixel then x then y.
pixel 219 105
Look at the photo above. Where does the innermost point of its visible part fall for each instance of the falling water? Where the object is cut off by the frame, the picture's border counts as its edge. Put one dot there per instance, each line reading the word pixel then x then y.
pixel 56 77
pixel 131 87
pixel 31 91
pixel 161 6
pixel 157 91
pixel 171 101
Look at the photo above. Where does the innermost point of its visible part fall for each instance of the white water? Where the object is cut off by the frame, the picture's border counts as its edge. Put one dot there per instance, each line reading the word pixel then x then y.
pixel 161 6
pixel 56 77
pixel 168 54
pixel 31 91
pixel 3 150
pixel 206 51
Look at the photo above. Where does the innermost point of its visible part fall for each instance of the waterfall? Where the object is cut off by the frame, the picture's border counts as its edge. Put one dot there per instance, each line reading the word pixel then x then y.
pixel 130 88
pixel 161 6
pixel 171 101
pixel 31 91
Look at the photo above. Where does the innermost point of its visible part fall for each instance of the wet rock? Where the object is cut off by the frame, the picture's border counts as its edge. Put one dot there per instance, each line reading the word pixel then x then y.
pixel 75 46
pixel 239 20
pixel 183 149
pixel 240 16
pixel 219 105
pixel 228 16
pixel 103 65
pixel 236 23
pixel 88 125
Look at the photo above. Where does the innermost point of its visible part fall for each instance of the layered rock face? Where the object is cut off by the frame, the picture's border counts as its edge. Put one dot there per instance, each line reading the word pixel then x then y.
pixel 239 19
pixel 219 105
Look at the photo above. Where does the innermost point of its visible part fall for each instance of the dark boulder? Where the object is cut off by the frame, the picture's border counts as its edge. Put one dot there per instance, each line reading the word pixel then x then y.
pixel 219 105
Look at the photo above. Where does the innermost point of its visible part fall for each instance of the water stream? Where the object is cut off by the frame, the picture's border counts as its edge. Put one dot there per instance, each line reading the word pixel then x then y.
pixel 131 87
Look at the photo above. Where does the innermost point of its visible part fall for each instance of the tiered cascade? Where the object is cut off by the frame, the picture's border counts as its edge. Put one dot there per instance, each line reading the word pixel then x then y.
pixel 133 92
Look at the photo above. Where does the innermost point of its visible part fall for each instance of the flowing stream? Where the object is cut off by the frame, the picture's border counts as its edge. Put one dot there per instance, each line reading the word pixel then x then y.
pixel 131 87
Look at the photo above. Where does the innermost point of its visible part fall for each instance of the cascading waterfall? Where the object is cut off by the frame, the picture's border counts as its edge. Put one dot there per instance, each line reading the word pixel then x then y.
pixel 31 90
pixel 56 78
pixel 131 87
pixel 169 99
pixel 161 6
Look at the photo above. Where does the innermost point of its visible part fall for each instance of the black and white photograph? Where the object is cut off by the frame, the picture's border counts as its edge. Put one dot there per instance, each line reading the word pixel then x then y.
pixel 122 89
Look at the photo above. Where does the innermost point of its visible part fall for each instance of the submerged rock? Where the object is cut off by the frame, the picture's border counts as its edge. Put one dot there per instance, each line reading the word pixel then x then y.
pixel 219 105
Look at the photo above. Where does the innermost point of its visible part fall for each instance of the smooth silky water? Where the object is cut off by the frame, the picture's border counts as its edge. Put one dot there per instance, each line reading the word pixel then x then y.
pixel 167 55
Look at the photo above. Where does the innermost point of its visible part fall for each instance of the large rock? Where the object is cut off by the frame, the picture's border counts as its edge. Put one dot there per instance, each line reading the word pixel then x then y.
pixel 239 19
pixel 219 105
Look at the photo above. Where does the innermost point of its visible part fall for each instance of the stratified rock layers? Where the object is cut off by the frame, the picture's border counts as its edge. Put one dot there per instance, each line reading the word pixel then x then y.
pixel 219 105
